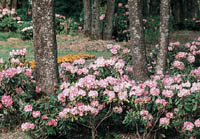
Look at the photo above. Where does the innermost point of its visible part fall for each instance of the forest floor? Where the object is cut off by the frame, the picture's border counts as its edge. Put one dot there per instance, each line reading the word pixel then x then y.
pixel 78 44
pixel 72 45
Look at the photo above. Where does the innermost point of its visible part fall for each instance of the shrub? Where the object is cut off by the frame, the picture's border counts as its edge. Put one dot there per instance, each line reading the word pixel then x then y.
pixel 8 20
pixel 90 93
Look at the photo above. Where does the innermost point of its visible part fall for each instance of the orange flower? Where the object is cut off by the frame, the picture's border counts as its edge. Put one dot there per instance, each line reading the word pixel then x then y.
pixel 67 58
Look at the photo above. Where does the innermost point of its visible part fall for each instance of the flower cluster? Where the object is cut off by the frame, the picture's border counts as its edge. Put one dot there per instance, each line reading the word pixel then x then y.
pixel 68 58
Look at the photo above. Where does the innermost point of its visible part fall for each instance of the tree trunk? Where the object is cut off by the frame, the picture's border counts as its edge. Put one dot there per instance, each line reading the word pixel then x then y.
pixel 45 46
pixel 8 4
pixel 14 4
pixel 177 9
pixel 87 17
pixel 153 8
pixel 108 24
pixel 164 36
pixel 95 32
pixel 137 40
pixel 198 3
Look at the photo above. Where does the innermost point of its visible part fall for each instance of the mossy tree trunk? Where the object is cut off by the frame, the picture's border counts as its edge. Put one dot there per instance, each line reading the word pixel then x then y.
pixel 108 24
pixel 95 30
pixel 137 40
pixel 45 46
pixel 164 36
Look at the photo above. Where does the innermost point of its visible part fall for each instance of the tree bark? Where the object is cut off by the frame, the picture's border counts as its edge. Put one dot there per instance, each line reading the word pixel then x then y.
pixel 153 8
pixel 14 4
pixel 108 24
pixel 87 17
pixel 177 9
pixel 95 32
pixel 137 40
pixel 164 36
pixel 45 46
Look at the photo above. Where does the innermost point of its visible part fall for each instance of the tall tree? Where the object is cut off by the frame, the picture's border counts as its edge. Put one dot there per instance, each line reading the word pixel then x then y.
pixel 87 17
pixel 45 46
pixel 164 36
pixel 95 32
pixel 108 24
pixel 137 40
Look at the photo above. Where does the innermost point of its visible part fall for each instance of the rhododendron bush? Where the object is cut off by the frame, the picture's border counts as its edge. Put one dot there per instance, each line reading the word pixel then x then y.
pixel 91 93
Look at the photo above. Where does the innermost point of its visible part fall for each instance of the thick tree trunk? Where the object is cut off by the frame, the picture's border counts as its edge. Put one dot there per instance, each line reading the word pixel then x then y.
pixel 95 32
pixel 45 46
pixel 137 40
pixel 108 24
pixel 87 17
pixel 164 36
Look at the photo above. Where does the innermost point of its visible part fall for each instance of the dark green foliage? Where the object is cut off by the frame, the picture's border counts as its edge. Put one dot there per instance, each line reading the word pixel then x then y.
pixel 69 8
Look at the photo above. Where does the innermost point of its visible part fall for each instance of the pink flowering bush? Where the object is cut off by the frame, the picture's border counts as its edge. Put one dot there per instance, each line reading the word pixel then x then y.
pixel 17 87
pixel 8 20
pixel 94 94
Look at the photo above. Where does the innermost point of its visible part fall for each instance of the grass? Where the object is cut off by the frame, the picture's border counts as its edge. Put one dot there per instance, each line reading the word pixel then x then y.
pixel 7 44
pixel 5 35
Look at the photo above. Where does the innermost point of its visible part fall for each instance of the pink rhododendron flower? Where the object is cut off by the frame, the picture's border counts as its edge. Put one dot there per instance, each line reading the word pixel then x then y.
pixel 29 72
pixel 6 100
pixel 93 94
pixel 94 103
pixel 126 6
pixel 44 117
pixel 177 43
pixel 149 124
pixel 117 109
pixel 191 58
pixel 193 47
pixel 170 48
pixel 80 61
pixel 161 101
pixel 144 112
pixel 113 51
pixel 52 122
pixel 167 93
pixel 164 121
pixel 188 126
pixel 102 17
pixel 120 4
pixel 27 126
pixel 36 114
pixel 169 115
pixel 181 55
pixel 154 91
pixel 197 123
pixel 37 89
pixel 1 106
pixel 18 90
pixel 179 65
pixel 28 108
